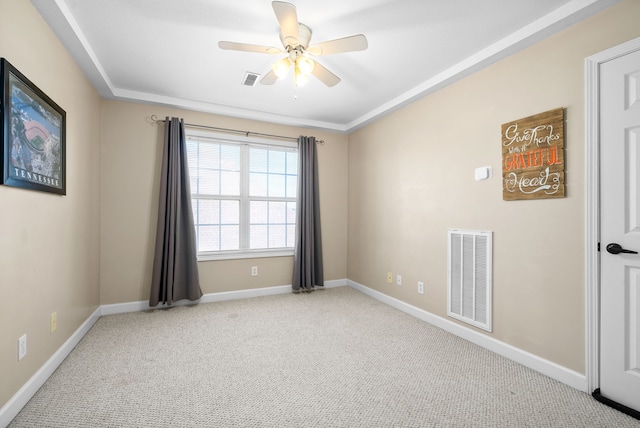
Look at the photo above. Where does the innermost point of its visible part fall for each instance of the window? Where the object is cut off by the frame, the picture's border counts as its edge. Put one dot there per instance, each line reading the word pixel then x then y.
pixel 243 195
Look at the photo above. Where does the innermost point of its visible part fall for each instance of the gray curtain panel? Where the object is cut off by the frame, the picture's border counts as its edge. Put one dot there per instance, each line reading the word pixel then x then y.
pixel 307 261
pixel 175 265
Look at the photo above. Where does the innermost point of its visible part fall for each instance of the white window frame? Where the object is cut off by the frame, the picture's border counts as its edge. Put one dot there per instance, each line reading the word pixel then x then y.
pixel 245 141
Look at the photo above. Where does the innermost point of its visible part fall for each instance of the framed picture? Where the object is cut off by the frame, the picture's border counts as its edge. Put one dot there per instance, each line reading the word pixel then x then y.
pixel 33 135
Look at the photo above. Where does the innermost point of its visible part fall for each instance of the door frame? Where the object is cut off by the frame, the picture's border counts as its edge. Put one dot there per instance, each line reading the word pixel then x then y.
pixel 592 201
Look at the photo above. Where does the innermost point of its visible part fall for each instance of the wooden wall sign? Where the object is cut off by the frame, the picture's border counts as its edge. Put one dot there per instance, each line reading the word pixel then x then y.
pixel 533 157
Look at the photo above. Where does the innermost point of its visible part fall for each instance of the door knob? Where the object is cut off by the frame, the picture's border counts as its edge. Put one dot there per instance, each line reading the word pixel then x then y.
pixel 617 249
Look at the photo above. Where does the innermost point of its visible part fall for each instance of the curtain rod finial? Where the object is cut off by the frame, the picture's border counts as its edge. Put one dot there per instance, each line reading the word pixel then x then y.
pixel 153 119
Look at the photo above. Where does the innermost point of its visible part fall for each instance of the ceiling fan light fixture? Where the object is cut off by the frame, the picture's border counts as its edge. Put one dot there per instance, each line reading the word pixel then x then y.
pixel 305 64
pixel 295 37
pixel 300 78
pixel 281 67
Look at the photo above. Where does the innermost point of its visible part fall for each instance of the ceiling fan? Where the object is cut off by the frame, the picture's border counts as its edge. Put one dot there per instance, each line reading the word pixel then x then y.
pixel 295 38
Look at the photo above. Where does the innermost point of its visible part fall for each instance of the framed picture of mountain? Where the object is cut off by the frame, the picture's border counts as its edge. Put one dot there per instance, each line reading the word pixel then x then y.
pixel 33 135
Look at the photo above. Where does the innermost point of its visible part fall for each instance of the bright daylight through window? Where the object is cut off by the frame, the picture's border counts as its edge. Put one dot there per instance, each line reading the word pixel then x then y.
pixel 243 195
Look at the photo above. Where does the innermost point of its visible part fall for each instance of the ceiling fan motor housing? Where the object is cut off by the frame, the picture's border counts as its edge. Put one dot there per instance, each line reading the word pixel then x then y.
pixel 304 36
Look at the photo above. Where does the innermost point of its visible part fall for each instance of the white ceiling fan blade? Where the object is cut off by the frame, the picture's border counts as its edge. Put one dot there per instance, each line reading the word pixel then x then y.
pixel 288 19
pixel 245 47
pixel 269 79
pixel 325 76
pixel 346 44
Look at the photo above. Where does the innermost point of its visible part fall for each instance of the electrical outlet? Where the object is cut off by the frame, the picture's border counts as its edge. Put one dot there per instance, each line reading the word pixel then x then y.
pixel 254 270
pixel 22 347
pixel 399 279
pixel 389 277
pixel 53 322
pixel 420 287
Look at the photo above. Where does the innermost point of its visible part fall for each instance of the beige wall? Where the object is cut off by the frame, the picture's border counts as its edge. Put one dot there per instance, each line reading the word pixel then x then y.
pixel 131 156
pixel 411 177
pixel 48 243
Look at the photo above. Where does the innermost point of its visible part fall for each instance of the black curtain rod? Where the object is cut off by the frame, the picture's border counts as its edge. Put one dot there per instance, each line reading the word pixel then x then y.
pixel 236 131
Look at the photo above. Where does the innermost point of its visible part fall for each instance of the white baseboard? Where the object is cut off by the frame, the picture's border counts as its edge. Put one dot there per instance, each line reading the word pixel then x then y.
pixel 546 367
pixel 24 394
pixel 336 283
pixel 143 305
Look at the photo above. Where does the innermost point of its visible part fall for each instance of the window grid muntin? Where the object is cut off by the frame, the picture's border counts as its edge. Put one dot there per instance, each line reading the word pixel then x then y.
pixel 289 174
pixel 288 222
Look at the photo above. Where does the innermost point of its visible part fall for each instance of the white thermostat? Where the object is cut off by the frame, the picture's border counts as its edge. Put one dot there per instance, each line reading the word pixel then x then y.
pixel 483 173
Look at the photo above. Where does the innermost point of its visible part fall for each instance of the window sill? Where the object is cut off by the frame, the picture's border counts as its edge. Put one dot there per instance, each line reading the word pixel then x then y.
pixel 232 255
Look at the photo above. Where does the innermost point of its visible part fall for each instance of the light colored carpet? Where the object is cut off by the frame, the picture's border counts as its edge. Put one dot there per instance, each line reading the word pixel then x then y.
pixel 331 358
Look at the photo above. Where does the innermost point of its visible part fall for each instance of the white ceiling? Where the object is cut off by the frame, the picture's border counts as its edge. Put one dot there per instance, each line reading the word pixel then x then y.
pixel 166 51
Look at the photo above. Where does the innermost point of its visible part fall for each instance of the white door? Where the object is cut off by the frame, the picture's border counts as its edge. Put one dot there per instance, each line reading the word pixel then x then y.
pixel 620 224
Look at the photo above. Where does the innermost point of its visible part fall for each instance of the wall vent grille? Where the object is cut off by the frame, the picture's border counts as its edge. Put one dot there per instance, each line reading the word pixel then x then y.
pixel 250 79
pixel 469 277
